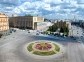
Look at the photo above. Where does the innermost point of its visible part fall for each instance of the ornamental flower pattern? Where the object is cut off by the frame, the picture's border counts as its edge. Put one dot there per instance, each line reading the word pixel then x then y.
pixel 43 46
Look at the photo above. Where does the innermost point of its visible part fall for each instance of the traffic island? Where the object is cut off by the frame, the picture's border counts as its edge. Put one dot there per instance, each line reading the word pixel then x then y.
pixel 45 49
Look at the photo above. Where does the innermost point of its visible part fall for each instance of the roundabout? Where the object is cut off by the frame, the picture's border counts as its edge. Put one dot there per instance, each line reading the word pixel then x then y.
pixel 45 49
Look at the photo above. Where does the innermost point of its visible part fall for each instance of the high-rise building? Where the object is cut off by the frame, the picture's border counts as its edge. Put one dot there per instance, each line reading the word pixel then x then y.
pixel 4 24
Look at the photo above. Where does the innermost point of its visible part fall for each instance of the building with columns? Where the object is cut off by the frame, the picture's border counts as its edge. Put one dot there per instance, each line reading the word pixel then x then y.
pixel 4 24
pixel 25 22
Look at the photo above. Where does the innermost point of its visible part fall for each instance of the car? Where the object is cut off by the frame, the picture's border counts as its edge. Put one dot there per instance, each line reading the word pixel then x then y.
pixel 79 41
pixel 81 36
pixel 71 37
pixel 28 31
pixel 37 33
pixel 74 38
pixel 14 30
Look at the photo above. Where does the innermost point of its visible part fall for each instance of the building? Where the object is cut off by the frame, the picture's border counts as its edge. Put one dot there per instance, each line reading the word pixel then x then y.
pixel 62 24
pixel 25 22
pixel 4 24
pixel 43 25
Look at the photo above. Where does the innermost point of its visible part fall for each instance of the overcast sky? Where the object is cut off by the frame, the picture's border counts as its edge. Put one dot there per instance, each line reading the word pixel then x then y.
pixel 47 8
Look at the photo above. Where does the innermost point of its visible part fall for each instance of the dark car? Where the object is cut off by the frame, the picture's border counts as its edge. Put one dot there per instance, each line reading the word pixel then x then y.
pixel 28 31
pixel 37 33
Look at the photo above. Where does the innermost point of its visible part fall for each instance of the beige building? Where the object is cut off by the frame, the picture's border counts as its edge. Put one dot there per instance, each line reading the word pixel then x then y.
pixel 63 24
pixel 4 24
pixel 29 22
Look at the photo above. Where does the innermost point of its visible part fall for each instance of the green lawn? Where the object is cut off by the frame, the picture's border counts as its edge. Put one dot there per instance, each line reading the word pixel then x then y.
pixel 30 47
pixel 57 48
pixel 44 53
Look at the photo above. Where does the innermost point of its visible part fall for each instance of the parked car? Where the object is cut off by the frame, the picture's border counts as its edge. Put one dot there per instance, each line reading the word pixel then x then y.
pixel 37 33
pixel 79 41
pixel 73 37
pixel 81 36
pixel 28 31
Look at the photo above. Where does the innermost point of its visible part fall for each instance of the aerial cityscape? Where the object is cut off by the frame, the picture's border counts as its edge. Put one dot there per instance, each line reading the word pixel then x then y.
pixel 41 31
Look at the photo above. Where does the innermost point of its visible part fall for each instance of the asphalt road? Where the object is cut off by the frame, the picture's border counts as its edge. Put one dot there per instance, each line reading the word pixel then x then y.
pixel 12 48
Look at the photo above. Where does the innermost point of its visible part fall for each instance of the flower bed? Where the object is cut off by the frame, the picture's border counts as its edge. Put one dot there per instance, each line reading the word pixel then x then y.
pixel 43 48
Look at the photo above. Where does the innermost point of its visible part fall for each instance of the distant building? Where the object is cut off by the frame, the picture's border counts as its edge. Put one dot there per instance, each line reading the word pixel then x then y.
pixel 4 24
pixel 64 24
pixel 27 22
pixel 43 25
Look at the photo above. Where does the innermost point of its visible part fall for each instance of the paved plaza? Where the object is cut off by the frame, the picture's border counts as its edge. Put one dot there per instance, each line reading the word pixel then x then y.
pixel 12 48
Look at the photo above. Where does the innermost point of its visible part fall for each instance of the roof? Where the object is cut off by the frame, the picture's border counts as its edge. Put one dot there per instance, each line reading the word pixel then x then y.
pixel 3 15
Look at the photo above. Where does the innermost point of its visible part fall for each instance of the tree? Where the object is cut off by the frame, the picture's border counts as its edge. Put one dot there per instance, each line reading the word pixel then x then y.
pixel 66 30
pixel 61 30
pixel 53 28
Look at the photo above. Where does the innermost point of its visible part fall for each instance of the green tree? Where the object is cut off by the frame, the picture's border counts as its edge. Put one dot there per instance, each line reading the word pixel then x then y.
pixel 66 30
pixel 53 28
pixel 61 30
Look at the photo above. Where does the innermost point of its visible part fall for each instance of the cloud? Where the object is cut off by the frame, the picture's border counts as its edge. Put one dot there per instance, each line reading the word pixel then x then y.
pixel 53 1
pixel 80 1
pixel 47 8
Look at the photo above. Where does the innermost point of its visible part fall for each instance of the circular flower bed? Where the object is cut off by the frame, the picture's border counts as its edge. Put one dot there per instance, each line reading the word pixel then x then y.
pixel 44 48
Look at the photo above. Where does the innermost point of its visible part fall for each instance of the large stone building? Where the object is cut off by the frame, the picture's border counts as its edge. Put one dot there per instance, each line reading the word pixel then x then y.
pixel 4 24
pixel 26 22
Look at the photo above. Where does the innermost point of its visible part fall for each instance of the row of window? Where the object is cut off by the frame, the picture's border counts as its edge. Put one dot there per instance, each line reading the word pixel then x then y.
pixel 1 24
pixel 29 23
pixel 4 28
pixel 3 20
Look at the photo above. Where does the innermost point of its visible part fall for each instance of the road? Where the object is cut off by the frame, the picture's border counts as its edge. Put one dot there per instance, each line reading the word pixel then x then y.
pixel 12 48
pixel 78 33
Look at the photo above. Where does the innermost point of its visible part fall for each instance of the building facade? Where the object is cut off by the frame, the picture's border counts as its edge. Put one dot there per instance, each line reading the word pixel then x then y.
pixel 26 22
pixel 43 25
pixel 64 24
pixel 4 24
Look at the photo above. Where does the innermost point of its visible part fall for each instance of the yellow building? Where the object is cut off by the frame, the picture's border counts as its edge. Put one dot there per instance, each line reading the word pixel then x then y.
pixel 27 22
pixel 4 24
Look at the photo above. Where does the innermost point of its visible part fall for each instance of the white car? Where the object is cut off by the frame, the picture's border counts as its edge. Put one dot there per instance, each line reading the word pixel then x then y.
pixel 79 41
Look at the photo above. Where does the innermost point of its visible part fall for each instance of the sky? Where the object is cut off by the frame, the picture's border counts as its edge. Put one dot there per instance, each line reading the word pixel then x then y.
pixel 51 9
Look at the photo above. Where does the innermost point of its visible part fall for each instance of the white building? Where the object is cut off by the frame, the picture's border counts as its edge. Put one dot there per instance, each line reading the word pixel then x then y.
pixel 43 25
